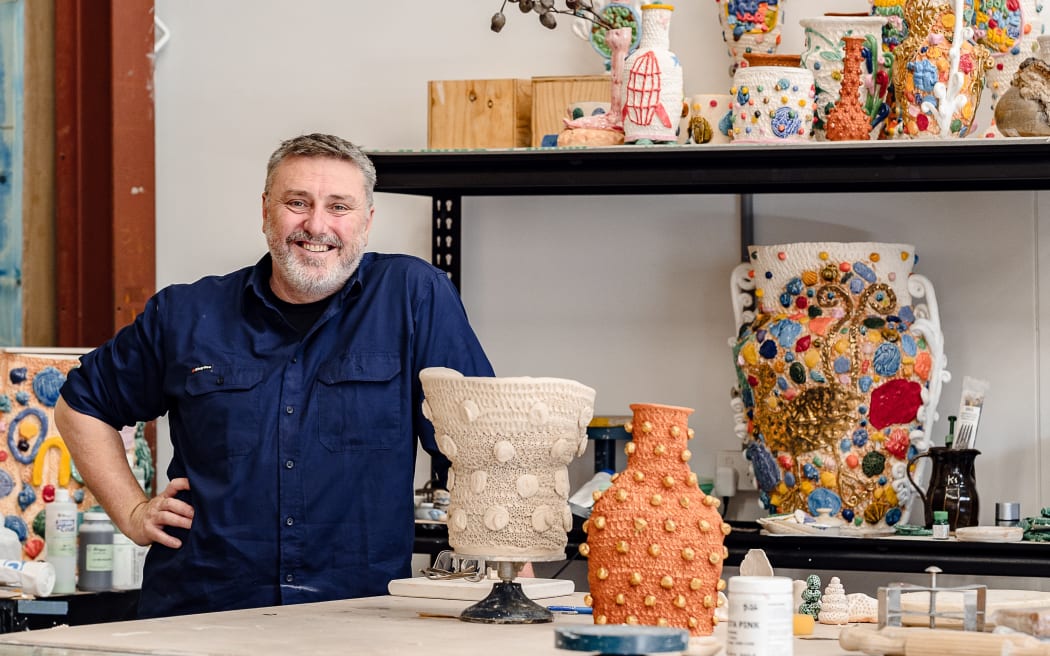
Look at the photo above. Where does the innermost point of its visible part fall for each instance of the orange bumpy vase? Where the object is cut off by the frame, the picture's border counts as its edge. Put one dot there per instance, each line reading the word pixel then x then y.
pixel 654 539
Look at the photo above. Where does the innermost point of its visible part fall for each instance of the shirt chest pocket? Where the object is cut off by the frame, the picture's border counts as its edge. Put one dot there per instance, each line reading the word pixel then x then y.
pixel 359 399
pixel 223 408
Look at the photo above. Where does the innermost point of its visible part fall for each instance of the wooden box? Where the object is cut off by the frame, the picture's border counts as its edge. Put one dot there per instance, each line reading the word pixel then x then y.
pixel 551 97
pixel 479 113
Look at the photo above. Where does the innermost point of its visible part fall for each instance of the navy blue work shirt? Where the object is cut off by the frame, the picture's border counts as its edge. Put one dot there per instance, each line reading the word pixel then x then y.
pixel 300 451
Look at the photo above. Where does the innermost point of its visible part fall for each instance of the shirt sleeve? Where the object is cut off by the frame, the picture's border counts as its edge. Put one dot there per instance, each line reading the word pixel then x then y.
pixel 443 338
pixel 122 381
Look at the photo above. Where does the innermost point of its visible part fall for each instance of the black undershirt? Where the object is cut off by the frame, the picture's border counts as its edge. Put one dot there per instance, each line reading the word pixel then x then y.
pixel 302 316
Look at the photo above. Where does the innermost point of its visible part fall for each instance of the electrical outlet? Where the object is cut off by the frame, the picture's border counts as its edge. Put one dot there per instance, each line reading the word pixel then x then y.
pixel 734 459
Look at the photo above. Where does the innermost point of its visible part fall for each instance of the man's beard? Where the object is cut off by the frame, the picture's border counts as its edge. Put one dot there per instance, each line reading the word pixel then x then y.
pixel 308 276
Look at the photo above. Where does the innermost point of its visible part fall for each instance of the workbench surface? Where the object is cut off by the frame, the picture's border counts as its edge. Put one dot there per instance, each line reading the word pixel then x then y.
pixel 374 625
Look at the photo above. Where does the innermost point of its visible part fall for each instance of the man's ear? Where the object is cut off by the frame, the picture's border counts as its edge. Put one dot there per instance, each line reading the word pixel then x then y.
pixel 368 224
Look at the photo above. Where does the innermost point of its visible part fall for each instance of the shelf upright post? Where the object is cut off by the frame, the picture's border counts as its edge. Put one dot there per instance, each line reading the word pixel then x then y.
pixel 445 231
pixel 445 251
pixel 747 225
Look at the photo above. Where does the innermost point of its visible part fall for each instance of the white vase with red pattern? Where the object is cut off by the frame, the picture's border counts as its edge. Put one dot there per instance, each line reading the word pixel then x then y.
pixel 653 82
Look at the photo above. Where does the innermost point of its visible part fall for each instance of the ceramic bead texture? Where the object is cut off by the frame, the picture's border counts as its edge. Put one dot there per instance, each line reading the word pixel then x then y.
pixel 654 539
pixel 510 441
pixel 834 381
pixel 750 27
pixel 922 61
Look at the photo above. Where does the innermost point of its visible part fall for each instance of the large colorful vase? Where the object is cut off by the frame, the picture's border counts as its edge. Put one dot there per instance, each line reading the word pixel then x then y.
pixel 936 87
pixel 839 373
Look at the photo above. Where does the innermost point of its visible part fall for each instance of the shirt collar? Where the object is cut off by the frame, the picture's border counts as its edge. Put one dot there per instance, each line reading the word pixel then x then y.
pixel 259 279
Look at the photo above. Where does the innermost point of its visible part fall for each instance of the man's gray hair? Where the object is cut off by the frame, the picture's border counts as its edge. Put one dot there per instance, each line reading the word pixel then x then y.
pixel 323 145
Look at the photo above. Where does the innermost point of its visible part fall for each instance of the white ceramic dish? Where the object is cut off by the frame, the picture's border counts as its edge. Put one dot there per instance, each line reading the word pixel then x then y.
pixel 989 534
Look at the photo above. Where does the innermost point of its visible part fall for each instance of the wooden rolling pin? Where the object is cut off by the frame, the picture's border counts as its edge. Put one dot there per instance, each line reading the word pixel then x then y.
pixel 899 641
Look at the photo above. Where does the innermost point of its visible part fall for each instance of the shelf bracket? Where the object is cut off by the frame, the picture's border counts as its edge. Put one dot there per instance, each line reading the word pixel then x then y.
pixel 747 225
pixel 445 232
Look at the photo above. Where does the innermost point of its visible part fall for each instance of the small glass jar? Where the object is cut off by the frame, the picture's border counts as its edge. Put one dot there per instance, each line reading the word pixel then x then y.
pixel 940 525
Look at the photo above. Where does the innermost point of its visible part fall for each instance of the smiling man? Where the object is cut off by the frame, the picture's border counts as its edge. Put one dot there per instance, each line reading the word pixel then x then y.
pixel 293 398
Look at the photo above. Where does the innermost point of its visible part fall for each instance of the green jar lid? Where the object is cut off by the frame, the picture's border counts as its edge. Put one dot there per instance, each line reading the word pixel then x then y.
pixel 940 515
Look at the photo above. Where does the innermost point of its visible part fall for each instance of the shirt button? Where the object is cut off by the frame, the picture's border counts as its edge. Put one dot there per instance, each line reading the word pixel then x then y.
pixel 220 380
pixel 289 464
pixel 289 521
pixel 289 578
pixel 294 360
pixel 289 409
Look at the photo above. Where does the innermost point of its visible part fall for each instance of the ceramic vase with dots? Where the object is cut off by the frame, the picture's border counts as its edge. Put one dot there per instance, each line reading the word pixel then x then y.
pixel 774 102
pixel 839 371
pixel 825 55
pixel 510 441
pixel 654 539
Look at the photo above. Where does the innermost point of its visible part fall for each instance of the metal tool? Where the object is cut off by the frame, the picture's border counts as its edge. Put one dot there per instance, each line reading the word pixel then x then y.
pixel 972 614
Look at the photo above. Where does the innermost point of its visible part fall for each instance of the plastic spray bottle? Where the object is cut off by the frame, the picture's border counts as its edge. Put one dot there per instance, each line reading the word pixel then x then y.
pixel 60 534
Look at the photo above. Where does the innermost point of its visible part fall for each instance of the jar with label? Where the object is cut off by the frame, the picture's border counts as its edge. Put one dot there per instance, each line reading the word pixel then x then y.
pixel 760 616
pixel 128 561
pixel 940 525
pixel 95 555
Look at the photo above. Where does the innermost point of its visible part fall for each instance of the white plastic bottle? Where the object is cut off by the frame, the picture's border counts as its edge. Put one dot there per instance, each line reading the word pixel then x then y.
pixel 60 534
pixel 761 617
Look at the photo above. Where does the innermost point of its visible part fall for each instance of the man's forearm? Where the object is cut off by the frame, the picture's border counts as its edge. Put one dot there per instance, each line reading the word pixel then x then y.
pixel 98 452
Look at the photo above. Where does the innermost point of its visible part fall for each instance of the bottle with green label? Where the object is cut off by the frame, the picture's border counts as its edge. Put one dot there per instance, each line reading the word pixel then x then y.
pixel 940 525
pixel 95 557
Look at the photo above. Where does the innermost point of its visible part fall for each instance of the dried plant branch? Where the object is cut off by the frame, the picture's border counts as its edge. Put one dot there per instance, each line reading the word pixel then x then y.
pixel 546 10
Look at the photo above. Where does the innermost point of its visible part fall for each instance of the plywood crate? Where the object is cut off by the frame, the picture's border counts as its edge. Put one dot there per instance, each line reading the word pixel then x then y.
pixel 551 97
pixel 479 113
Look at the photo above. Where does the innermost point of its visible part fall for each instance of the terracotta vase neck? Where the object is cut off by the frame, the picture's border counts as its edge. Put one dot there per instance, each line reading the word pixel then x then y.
pixel 660 437
pixel 774 59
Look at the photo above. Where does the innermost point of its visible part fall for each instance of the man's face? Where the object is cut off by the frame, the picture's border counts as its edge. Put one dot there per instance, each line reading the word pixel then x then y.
pixel 316 220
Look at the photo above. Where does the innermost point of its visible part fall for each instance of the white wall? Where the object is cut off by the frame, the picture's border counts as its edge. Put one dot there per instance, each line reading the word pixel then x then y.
pixel 627 294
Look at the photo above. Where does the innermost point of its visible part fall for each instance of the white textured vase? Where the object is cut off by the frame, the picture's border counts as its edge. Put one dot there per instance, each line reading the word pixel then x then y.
pixel 510 441
pixel 772 104
pixel 652 106
pixel 824 55
pixel 839 374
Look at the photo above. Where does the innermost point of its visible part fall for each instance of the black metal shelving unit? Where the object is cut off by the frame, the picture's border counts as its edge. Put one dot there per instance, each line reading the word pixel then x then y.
pixel 901 555
pixel 941 165
pixel 916 166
